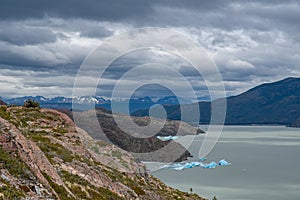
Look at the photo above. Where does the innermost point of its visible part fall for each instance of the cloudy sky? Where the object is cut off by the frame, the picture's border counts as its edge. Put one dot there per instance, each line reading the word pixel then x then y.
pixel 42 45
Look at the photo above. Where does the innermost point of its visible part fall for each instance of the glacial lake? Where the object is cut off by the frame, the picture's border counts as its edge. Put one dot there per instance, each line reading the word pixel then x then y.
pixel 265 165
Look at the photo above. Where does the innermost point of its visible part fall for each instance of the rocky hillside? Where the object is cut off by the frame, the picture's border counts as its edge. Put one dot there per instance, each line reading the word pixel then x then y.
pixel 44 156
pixel 144 147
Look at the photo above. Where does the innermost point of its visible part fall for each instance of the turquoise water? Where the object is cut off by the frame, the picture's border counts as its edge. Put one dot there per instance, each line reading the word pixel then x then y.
pixel 265 165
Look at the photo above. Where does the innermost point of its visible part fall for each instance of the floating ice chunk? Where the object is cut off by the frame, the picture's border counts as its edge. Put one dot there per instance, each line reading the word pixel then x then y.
pixel 167 138
pixel 191 165
pixel 223 163
pixel 210 165
pixel 203 159
pixel 179 168
pixel 174 165
pixel 165 166
pixel 188 165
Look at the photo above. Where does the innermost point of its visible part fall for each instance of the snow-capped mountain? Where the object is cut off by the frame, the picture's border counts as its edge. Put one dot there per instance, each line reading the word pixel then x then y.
pixel 135 103
pixel 58 100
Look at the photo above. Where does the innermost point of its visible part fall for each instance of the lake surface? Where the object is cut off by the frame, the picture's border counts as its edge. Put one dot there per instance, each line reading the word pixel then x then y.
pixel 265 165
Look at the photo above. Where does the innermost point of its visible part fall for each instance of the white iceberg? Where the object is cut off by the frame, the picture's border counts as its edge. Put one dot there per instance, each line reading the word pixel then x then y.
pixel 179 168
pixel 167 138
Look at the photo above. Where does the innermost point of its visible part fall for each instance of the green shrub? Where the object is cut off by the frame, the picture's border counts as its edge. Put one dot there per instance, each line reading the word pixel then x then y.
pixel 10 192
pixel 138 190
pixel 29 103
pixel 4 113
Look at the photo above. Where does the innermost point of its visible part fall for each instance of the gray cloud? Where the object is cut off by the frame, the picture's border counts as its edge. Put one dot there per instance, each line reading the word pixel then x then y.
pixel 89 9
pixel 43 44
pixel 17 35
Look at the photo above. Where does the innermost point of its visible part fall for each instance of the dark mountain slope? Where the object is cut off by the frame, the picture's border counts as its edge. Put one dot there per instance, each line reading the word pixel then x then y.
pixel 296 123
pixel 277 103
pixel 270 103
pixel 146 148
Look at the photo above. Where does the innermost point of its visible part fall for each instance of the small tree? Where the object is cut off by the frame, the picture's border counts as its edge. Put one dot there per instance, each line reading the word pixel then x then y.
pixel 29 103
pixel 215 198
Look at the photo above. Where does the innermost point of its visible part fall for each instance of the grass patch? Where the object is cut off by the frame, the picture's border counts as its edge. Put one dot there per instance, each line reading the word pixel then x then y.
pixel 60 130
pixel 103 194
pixel 101 143
pixel 78 192
pixel 117 176
pixel 72 178
pixel 11 192
pixel 138 190
pixel 4 113
pixel 116 154
pixel 14 165
pixel 52 149
pixel 93 192
pixel 60 190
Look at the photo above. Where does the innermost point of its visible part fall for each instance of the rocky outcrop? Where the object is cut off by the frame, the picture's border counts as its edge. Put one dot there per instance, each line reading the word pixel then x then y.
pixel 45 156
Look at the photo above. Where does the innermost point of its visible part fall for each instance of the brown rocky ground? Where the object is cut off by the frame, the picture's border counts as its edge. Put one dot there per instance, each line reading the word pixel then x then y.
pixel 43 155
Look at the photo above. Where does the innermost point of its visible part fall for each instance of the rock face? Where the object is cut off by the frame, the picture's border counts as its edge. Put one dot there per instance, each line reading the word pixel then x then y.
pixel 43 155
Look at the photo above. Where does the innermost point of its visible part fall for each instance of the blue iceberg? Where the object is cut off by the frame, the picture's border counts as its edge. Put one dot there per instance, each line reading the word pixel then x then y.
pixel 173 166
pixel 210 165
pixel 203 159
pixel 224 163
pixel 167 138
pixel 181 166
pixel 192 164
pixel 188 165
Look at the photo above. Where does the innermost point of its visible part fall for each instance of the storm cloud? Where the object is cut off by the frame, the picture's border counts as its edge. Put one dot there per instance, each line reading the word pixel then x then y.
pixel 42 44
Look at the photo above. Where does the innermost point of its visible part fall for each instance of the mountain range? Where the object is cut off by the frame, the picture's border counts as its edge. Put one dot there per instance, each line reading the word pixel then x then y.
pixel 87 102
pixel 275 103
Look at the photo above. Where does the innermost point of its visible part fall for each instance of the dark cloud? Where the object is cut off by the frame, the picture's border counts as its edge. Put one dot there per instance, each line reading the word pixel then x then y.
pixel 96 32
pixel 26 36
pixel 153 12
pixel 42 44
pixel 89 9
